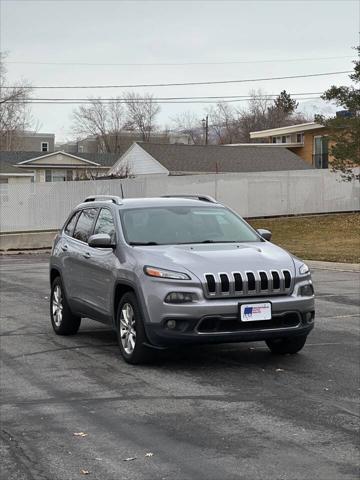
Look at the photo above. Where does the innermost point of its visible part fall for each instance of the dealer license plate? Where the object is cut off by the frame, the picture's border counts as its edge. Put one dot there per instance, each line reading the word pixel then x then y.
pixel 255 312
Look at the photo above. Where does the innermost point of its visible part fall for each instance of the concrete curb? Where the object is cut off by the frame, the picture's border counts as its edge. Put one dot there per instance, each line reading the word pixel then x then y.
pixel 335 266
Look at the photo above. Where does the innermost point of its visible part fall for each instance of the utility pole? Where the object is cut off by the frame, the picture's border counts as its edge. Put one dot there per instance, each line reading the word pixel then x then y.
pixel 205 122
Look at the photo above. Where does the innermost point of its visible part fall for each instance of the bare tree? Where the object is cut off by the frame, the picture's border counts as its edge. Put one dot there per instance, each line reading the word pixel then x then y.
pixel 15 115
pixel 105 121
pixel 191 125
pixel 223 123
pixel 142 111
pixel 264 113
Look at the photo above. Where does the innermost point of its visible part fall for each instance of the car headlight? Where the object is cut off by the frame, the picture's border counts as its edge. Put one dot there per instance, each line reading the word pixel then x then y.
pixel 161 273
pixel 304 269
pixel 180 297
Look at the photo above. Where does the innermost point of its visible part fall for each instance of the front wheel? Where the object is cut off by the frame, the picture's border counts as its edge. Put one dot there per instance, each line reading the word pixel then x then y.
pixel 62 320
pixel 130 331
pixel 282 346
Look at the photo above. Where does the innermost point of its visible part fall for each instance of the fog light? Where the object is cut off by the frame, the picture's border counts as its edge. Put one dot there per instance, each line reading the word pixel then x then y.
pixel 306 290
pixel 180 297
pixel 171 324
pixel 309 317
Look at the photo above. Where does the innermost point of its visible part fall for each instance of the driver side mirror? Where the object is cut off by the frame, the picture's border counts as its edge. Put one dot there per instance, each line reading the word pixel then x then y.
pixel 266 234
pixel 101 240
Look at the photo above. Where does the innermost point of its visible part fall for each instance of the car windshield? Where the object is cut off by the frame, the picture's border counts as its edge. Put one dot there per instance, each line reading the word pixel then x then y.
pixel 184 225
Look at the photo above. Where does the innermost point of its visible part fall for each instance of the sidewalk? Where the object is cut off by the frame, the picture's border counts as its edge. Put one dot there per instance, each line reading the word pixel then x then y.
pixel 341 267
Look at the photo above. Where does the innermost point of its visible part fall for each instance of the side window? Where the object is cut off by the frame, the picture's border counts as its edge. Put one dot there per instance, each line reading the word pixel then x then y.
pixel 71 224
pixel 105 224
pixel 84 224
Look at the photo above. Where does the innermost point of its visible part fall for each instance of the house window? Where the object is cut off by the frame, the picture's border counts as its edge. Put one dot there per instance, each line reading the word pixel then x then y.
pixel 299 138
pixel 58 175
pixel 44 146
pixel 81 148
pixel 283 139
pixel 273 139
pixel 321 152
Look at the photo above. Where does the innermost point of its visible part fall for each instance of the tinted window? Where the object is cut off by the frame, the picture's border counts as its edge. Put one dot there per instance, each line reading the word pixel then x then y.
pixel 174 225
pixel 84 225
pixel 105 223
pixel 71 224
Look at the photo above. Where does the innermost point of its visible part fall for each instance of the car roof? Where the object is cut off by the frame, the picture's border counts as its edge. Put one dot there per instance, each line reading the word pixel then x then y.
pixel 148 202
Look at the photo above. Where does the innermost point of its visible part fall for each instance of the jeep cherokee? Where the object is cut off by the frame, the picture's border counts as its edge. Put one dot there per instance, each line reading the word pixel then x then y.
pixel 176 270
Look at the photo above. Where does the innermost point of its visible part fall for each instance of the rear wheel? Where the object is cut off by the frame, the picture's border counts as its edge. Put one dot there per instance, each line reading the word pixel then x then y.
pixel 282 346
pixel 62 320
pixel 130 331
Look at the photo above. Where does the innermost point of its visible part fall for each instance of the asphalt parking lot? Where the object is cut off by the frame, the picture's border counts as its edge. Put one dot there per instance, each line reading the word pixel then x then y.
pixel 212 412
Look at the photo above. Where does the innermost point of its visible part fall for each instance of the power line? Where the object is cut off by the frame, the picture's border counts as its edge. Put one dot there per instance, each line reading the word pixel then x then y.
pixel 178 84
pixel 164 64
pixel 114 101
pixel 218 97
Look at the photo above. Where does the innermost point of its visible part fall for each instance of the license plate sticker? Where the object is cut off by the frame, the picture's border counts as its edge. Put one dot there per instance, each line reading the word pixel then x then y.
pixel 255 312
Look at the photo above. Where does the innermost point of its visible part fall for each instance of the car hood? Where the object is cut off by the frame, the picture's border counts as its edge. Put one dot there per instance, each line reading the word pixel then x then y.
pixel 215 258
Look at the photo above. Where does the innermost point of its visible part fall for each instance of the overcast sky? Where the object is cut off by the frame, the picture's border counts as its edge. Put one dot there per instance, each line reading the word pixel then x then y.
pixel 100 32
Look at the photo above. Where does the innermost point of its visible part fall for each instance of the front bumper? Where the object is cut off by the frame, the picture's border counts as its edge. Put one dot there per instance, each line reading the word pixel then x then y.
pixel 217 321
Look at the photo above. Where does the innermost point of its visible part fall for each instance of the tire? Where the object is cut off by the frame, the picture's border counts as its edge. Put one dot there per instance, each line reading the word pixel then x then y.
pixel 130 331
pixel 62 320
pixel 283 346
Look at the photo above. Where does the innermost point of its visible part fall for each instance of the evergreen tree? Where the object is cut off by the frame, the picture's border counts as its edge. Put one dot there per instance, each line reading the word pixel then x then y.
pixel 344 129
pixel 285 103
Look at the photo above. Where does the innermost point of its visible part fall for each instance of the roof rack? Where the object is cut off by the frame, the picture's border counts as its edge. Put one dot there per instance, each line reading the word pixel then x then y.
pixel 104 198
pixel 202 198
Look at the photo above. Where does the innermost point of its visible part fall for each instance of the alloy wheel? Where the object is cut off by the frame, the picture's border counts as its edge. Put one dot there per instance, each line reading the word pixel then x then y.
pixel 127 328
pixel 57 306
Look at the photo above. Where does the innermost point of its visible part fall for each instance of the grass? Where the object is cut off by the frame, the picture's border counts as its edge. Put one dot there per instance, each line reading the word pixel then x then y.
pixel 332 238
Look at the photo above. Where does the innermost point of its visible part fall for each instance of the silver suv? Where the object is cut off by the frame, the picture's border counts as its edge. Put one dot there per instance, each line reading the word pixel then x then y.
pixel 176 270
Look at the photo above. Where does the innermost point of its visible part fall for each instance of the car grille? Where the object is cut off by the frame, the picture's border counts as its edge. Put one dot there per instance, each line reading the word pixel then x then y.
pixel 248 284
pixel 215 324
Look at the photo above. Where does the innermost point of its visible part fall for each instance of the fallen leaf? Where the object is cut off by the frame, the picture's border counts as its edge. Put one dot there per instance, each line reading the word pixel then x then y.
pixel 326 389
pixel 84 472
pixel 80 434
pixel 279 370
pixel 149 454
pixel 129 459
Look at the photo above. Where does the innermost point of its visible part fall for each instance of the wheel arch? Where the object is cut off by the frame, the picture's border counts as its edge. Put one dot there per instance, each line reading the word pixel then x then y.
pixel 120 289
pixel 54 272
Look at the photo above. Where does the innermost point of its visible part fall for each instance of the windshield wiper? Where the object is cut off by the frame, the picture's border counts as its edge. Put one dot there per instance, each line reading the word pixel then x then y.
pixel 138 244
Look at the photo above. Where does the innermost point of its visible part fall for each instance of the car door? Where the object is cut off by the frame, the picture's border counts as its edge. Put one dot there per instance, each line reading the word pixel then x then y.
pixel 65 249
pixel 79 281
pixel 102 265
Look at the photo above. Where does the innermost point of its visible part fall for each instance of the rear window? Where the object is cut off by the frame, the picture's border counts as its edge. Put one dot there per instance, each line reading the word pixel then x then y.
pixel 84 225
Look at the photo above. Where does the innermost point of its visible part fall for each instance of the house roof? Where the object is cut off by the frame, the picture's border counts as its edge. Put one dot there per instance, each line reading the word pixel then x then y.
pixel 218 158
pixel 301 127
pixel 8 160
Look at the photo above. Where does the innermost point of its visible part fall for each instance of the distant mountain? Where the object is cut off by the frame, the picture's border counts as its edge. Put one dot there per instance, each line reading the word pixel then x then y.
pixel 310 108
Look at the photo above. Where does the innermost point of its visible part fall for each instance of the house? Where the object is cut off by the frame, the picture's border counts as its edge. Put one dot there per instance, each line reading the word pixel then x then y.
pixel 125 138
pixel 308 140
pixel 26 167
pixel 162 159
pixel 28 141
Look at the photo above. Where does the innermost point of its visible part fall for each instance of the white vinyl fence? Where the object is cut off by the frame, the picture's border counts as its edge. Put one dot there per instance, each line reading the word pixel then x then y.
pixel 45 206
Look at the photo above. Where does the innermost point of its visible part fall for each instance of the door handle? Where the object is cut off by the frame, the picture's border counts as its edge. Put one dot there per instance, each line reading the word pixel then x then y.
pixel 86 255
pixel 64 248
